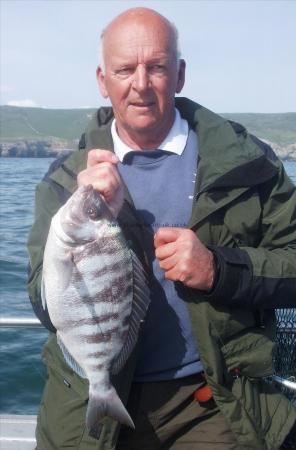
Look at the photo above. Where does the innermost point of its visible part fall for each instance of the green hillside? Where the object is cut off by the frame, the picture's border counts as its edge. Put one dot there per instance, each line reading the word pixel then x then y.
pixel 278 128
pixel 40 123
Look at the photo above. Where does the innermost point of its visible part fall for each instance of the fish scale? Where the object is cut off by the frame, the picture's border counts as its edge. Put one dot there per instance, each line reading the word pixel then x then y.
pixel 96 293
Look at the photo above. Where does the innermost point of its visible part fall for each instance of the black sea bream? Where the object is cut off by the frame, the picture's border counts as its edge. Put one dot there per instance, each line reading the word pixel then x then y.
pixel 95 290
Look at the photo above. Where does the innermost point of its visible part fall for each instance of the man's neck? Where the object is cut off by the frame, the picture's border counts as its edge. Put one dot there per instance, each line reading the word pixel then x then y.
pixel 174 142
pixel 144 139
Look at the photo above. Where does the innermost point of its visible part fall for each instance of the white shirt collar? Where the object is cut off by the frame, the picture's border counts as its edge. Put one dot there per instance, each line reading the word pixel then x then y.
pixel 175 141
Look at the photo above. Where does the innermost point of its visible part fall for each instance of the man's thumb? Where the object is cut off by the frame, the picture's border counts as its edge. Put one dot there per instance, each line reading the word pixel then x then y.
pixel 165 235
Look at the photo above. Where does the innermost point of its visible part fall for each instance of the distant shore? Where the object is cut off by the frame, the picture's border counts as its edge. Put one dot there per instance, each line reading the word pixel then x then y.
pixel 33 148
pixel 43 133
pixel 51 148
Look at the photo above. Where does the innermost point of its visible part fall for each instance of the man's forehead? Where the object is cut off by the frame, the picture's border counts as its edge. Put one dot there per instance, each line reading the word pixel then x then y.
pixel 138 16
pixel 145 58
pixel 138 41
pixel 137 33
pixel 130 55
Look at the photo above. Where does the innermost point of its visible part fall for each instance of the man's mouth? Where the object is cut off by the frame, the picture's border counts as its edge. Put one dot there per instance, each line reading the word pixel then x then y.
pixel 142 104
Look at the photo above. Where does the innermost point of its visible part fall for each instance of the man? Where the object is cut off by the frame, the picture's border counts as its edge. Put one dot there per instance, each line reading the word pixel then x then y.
pixel 211 212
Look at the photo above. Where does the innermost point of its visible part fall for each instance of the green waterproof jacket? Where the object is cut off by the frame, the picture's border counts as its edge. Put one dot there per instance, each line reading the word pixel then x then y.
pixel 245 210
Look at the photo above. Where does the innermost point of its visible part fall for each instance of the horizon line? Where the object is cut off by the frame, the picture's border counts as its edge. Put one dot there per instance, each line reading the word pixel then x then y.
pixel 97 107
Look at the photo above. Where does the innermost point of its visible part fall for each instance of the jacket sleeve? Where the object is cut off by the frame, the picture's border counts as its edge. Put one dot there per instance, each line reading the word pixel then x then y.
pixel 49 197
pixel 47 203
pixel 265 276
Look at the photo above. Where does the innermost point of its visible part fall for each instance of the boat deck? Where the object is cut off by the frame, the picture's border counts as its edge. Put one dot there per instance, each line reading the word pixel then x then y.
pixel 17 432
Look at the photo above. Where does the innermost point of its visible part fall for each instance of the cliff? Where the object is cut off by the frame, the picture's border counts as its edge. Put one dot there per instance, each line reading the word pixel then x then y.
pixel 53 147
pixel 44 148
pixel 282 151
pixel 40 132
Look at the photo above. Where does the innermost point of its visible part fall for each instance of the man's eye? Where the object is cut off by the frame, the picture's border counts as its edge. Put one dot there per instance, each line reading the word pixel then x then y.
pixel 124 72
pixel 157 69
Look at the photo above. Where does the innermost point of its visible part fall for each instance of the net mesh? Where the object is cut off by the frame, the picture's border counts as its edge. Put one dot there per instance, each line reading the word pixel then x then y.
pixel 285 358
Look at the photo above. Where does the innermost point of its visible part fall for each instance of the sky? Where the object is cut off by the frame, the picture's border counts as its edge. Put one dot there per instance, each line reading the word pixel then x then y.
pixel 240 55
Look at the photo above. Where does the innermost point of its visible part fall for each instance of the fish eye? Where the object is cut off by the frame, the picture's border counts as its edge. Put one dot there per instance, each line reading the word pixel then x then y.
pixel 92 212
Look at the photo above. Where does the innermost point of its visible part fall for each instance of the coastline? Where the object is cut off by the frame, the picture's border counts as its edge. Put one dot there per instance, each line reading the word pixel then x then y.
pixel 47 133
pixel 53 147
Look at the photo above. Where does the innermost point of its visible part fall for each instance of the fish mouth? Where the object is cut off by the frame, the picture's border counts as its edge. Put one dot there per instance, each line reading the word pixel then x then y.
pixel 84 212
pixel 88 192
pixel 73 217
pixel 88 196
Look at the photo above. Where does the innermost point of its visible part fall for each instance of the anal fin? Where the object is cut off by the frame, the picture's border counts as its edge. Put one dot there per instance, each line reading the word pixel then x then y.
pixel 69 358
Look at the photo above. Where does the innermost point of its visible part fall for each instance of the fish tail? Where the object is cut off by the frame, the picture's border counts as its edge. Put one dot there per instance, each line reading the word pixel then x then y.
pixel 109 405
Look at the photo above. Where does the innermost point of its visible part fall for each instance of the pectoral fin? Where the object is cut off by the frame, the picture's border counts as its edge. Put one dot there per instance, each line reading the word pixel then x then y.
pixel 61 269
pixel 64 269
pixel 43 296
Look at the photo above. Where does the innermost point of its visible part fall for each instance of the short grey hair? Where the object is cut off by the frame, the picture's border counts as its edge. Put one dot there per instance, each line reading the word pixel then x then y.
pixel 176 38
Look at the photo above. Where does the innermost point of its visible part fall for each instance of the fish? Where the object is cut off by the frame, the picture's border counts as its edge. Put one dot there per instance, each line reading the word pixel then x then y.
pixel 96 292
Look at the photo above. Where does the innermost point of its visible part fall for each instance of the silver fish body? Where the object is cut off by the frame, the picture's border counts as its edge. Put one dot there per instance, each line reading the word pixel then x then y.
pixel 96 294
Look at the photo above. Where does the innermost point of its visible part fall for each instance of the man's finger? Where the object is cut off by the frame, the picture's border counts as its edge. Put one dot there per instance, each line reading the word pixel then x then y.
pixel 165 235
pixel 97 156
pixel 106 170
pixel 106 190
pixel 168 263
pixel 171 274
pixel 103 173
pixel 165 250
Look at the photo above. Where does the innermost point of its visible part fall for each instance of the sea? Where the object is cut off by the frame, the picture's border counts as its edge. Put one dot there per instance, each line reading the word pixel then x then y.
pixel 22 374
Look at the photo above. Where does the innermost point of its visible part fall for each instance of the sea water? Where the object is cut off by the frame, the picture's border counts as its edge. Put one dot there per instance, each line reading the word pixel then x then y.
pixel 22 374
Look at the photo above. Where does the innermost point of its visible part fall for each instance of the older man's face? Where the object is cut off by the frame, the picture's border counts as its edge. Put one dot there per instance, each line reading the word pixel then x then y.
pixel 141 78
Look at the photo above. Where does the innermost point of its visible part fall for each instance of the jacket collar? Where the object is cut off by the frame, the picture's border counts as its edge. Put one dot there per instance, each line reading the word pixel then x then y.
pixel 230 163
pixel 229 160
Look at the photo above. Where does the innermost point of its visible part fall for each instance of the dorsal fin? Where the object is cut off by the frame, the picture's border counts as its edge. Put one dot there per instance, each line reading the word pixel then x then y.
pixel 140 303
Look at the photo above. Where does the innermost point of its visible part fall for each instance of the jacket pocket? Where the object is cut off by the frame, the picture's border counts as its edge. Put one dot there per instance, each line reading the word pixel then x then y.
pixel 54 360
pixel 61 418
pixel 249 354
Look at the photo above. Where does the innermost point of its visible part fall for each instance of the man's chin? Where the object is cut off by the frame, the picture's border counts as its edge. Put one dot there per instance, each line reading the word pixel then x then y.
pixel 143 125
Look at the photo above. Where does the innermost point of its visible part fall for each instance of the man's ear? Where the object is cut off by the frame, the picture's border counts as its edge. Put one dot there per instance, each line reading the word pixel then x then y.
pixel 181 76
pixel 101 82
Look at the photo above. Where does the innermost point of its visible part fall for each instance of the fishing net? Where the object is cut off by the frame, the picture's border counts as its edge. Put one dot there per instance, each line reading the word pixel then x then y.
pixel 290 441
pixel 285 358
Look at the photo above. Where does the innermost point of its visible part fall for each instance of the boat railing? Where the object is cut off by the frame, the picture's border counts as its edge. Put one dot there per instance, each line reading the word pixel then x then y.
pixel 20 322
pixel 285 359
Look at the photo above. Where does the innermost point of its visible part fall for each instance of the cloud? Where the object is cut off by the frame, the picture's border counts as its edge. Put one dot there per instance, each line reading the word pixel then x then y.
pixel 26 103
pixel 4 89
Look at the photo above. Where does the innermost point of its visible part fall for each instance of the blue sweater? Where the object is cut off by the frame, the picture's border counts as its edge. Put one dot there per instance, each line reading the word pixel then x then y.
pixel 168 348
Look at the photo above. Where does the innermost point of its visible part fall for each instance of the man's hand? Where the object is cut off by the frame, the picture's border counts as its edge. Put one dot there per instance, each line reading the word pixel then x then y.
pixel 184 258
pixel 101 172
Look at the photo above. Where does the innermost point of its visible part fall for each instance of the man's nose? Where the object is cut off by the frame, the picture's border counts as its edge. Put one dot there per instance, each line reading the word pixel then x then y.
pixel 141 78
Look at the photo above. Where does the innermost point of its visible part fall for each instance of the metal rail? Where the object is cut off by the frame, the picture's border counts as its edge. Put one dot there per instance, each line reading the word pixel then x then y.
pixel 32 322
pixel 20 322
pixel 289 330
pixel 17 432
pixel 287 383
